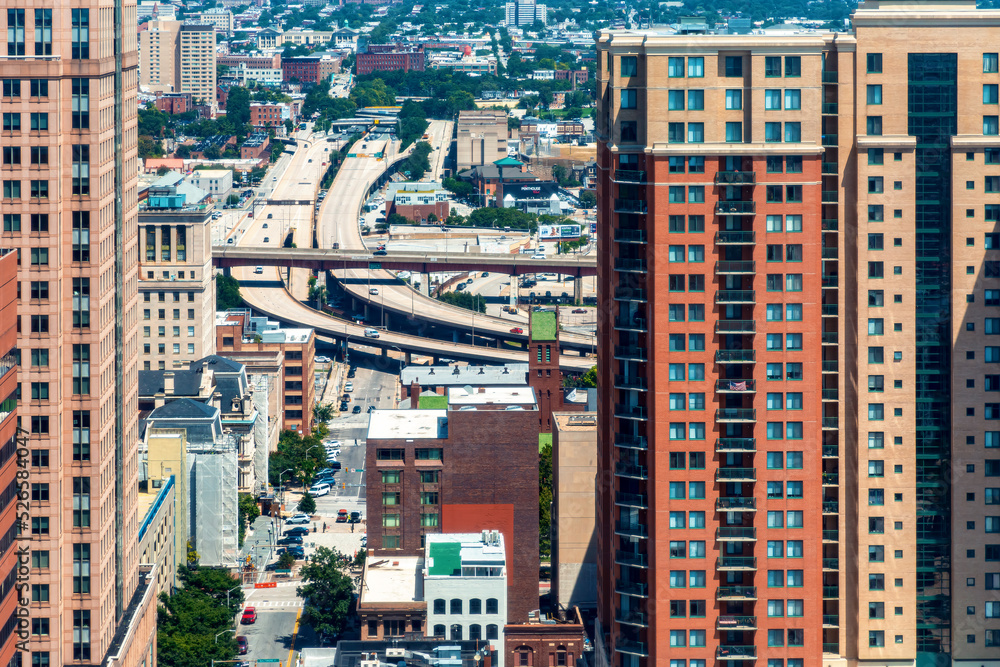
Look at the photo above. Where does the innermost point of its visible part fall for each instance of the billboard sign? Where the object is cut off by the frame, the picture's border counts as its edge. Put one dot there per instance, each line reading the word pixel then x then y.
pixel 552 232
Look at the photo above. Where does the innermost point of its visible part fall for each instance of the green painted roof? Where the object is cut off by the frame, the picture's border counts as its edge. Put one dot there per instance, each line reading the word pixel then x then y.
pixel 543 325
pixel 433 403
pixel 447 558
pixel 508 162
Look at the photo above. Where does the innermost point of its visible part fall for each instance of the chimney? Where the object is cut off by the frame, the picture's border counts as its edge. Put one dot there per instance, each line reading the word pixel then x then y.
pixel 216 401
pixel 414 395
pixel 168 383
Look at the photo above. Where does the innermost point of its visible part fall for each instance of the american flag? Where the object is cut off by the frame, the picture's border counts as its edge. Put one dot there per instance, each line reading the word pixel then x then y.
pixel 738 386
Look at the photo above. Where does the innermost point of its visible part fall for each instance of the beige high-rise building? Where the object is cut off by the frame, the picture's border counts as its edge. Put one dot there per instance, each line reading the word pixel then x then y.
pixel 69 101
pixel 481 137
pixel 178 57
pixel 800 274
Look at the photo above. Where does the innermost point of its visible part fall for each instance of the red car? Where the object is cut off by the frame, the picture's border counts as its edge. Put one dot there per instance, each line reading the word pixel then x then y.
pixel 579 310
pixel 242 645
pixel 517 330
pixel 249 616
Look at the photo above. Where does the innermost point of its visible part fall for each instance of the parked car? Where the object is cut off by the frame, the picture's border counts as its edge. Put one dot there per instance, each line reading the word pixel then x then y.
pixel 517 330
pixel 344 407
pixel 259 270
pixel 265 225
pixel 298 519
pixel 297 552
pixel 356 410
pixel 351 373
pixel 249 616
pixel 323 360
pixel 290 540
pixel 371 408
pixel 379 253
pixel 297 530
pixel 579 310
pixel 267 239
pixel 334 465
pixel 349 386
pixel 242 645
pixel 346 397
pixel 341 516
pixel 355 517
pixel 319 490
pixel 270 215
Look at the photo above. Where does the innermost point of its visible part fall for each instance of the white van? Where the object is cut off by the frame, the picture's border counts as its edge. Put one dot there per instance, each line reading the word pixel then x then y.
pixel 371 333
pixel 259 269
pixel 318 490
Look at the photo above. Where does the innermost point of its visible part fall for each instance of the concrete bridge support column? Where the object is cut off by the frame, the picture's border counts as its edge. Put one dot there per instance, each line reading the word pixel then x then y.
pixel 455 336
pixel 578 290
pixel 408 358
pixel 425 284
pixel 385 353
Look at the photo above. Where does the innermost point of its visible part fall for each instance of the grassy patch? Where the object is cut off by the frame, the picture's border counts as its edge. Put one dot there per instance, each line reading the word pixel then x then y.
pixel 543 325
pixel 433 403
pixel 543 439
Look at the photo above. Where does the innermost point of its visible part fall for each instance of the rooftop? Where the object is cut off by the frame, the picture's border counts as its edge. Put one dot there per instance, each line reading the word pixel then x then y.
pixel 412 424
pixel 465 554
pixel 575 421
pixel 392 580
pixel 543 325
pixel 509 374
pixel 460 396
pixel 434 402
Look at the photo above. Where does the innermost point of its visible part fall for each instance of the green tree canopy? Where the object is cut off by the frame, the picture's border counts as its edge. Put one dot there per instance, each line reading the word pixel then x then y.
pixel 238 106
pixel 307 504
pixel 328 592
pixel 227 292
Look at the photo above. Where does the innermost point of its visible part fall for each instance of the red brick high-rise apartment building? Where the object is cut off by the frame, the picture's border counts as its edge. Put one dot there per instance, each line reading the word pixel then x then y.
pixel 800 266
pixel 8 454
pixel 69 90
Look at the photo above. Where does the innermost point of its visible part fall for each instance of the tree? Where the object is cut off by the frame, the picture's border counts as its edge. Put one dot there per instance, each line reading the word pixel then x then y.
pixel 183 151
pixel 589 379
pixel 307 504
pixel 323 412
pixel 238 107
pixel 397 219
pixel 588 199
pixel 150 147
pixel 286 560
pixel 460 189
pixel 248 513
pixel 227 292
pixel 545 499
pixel 213 153
pixel 417 164
pixel 327 592
pixel 192 623
pixel 233 199
pixel 465 300
pixel 213 582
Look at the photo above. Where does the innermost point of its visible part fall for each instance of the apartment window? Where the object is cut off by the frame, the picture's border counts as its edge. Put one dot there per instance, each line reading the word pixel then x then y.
pixel 15 32
pixel 12 189
pixel 81 303
pixel 991 93
pixel 39 189
pixel 734 65
pixel 11 88
pixel 39 121
pixel 696 67
pixel 675 100
pixel 675 67
pixel 81 236
pixel 43 32
pixel 696 133
pixel 39 155
pixel 874 126
pixel 81 103
pixel 734 99
pixel 696 100
pixel 80 34
pixel 876 156
pixel 629 98
pixel 990 62
pixel 81 169
pixel 874 94
pixel 81 502
pixel 772 132
pixel 81 368
pixel 11 122
pixel 793 134
pixel 81 634
pixel 874 61
pixel 11 155
pixel 629 131
pixel 991 125
pixel 12 222
pixel 772 66
pixel 39 256
pixel 793 99
pixel 675 133
pixel 81 435
pixel 734 132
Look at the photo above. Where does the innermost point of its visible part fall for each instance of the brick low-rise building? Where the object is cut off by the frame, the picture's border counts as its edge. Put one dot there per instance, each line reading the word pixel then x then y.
pixel 390 58
pixel 309 69
pixel 269 115
pixel 417 201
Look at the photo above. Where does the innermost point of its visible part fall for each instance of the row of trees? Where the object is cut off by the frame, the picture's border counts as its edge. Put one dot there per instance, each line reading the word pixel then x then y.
pixel 303 455
pixel 192 624
pixel 475 302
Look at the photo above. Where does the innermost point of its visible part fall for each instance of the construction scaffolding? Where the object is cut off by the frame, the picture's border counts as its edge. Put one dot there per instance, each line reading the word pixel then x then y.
pixel 261 384
pixel 214 473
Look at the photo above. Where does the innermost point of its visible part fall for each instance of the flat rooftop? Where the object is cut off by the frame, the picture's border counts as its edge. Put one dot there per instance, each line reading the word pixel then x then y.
pixel 459 396
pixel 509 374
pixel 393 580
pixel 575 421
pixel 407 424
pixel 543 325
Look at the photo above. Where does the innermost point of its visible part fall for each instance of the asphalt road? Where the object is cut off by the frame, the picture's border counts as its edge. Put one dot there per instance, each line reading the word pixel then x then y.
pixel 272 636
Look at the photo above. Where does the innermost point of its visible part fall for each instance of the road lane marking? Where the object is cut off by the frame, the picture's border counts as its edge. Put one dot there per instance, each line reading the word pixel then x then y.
pixel 295 634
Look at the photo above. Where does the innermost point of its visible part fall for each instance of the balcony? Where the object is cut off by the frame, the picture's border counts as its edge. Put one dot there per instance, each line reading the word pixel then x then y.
pixel 624 411
pixel 829 366
pixel 736 564
pixel 634 588
pixel 633 324
pixel 830 423
pixel 830 252
pixel 640 500
pixel 829 109
pixel 631 558
pixel 831 621
pixel 735 386
pixel 736 652
pixel 630 382
pixel 831 507
pixel 830 536
pixel 727 445
pixel 630 441
pixel 831 647
pixel 736 504
pixel 831 564
pixel 629 176
pixel 735 593
pixel 830 451
pixel 736 475
pixel 829 225
pixel 831 592
pixel 830 479
pixel 630 617
pixel 735 268
pixel 630 294
pixel 744 296
pixel 830 76
pixel 631 647
pixel 630 265
pixel 735 178
pixel 630 235
pixel 829 338
pixel 629 529
pixel 830 394
pixel 736 623
pixel 735 356
pixel 736 534
pixel 829 139
pixel 631 353
pixel 829 310
pixel 630 206
pixel 829 197
pixel 735 208
pixel 736 237
pixel 631 470
pixel 830 282
pixel 736 415
pixel 736 326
